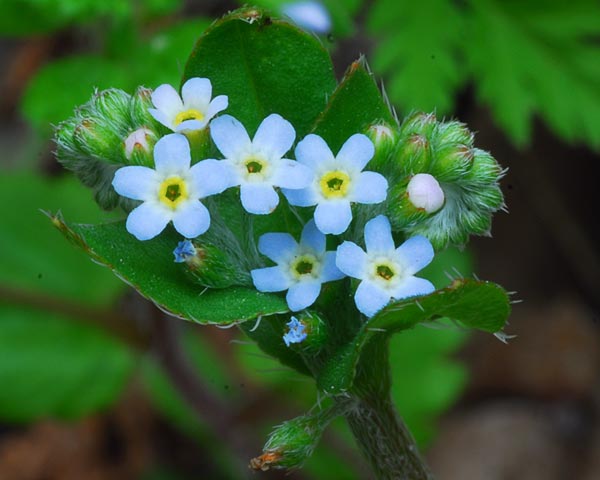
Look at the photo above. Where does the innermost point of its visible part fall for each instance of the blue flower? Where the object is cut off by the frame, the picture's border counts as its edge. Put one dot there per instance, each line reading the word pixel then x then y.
pixel 192 111
pixel 172 191
pixel 258 165
pixel 386 272
pixel 301 269
pixel 310 15
pixel 338 181
pixel 184 250
pixel 295 333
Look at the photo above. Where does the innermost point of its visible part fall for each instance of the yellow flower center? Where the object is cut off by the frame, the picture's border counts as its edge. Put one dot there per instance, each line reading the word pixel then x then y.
pixel 334 184
pixel 172 192
pixel 304 265
pixel 191 114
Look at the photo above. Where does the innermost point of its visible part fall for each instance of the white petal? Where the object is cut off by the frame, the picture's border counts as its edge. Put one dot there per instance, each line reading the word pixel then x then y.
pixel 312 237
pixel 370 187
pixel 191 219
pixel 172 155
pixel 275 136
pixel 196 93
pixel 162 117
pixel 351 260
pixel 291 174
pixel 166 99
pixel 369 298
pixel 277 246
pixel 147 221
pixel 333 216
pixel 229 136
pixel 416 253
pixel 302 295
pixel 313 151
pixel 210 177
pixel 271 279
pixel 330 270
pixel 259 199
pixel 356 151
pixel 378 235
pixel 304 197
pixel 139 183
pixel 412 287
pixel 191 125
pixel 217 105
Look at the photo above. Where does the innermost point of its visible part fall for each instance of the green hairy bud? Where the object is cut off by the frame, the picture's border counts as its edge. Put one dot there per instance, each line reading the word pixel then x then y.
pixel 316 330
pixel 385 139
pixel 445 188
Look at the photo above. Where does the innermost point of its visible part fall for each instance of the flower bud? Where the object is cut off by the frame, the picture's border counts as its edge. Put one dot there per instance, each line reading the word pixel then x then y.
pixel 384 138
pixel 306 332
pixel 97 139
pixel 139 146
pixel 424 192
pixel 418 123
pixel 453 133
pixel 451 162
pixel 210 266
pixel 139 104
pixel 414 153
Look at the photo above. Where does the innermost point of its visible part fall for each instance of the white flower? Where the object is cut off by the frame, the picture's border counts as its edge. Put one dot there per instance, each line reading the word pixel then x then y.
pixel 193 112
pixel 338 181
pixel 386 271
pixel 424 192
pixel 310 15
pixel 172 191
pixel 301 269
pixel 257 165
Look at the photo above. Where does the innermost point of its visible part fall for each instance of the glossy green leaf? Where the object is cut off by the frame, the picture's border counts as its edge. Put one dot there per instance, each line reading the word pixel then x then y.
pixel 149 268
pixel 56 366
pixel 356 104
pixel 475 304
pixel 264 65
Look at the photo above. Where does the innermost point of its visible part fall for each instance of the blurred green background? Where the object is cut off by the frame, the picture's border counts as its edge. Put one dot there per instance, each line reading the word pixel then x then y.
pixel 92 380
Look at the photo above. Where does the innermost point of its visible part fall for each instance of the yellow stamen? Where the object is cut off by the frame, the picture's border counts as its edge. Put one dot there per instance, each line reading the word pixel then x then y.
pixel 335 184
pixel 191 114
pixel 172 192
pixel 304 265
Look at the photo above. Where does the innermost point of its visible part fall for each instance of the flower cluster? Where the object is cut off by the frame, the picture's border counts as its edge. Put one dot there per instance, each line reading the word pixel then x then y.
pixel 174 190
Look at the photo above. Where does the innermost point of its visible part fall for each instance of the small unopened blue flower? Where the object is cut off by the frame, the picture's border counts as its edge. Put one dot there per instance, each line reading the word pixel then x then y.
pixel 192 111
pixel 184 250
pixel 310 15
pixel 172 191
pixel 301 268
pixel 386 272
pixel 258 165
pixel 338 181
pixel 295 333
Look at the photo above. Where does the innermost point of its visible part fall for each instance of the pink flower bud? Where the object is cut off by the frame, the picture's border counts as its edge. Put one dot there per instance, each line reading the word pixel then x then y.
pixel 425 192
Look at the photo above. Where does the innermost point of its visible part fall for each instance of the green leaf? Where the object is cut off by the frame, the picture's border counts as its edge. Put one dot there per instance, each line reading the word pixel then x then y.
pixel 475 304
pixel 265 66
pixel 56 366
pixel 538 58
pixel 356 104
pixel 417 52
pixel 149 268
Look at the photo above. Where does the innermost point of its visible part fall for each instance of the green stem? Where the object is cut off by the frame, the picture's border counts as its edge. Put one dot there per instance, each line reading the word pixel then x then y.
pixel 380 433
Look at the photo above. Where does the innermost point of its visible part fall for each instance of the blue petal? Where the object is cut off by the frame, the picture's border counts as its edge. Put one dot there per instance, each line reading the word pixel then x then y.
pixel 369 187
pixel 139 183
pixel 305 197
pixel 330 270
pixel 351 260
pixel 162 117
pixel 172 155
pixel 191 125
pixel 302 295
pixel 211 177
pixel 275 136
pixel 229 136
pixel 333 216
pixel 217 105
pixel 415 254
pixel 356 152
pixel 166 99
pixel 412 287
pixel 270 279
pixel 196 93
pixel 295 333
pixel 184 250
pixel 259 199
pixel 369 298
pixel 292 174
pixel 312 237
pixel 191 219
pixel 378 235
pixel 310 15
pixel 147 221
pixel 279 247
pixel 313 151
